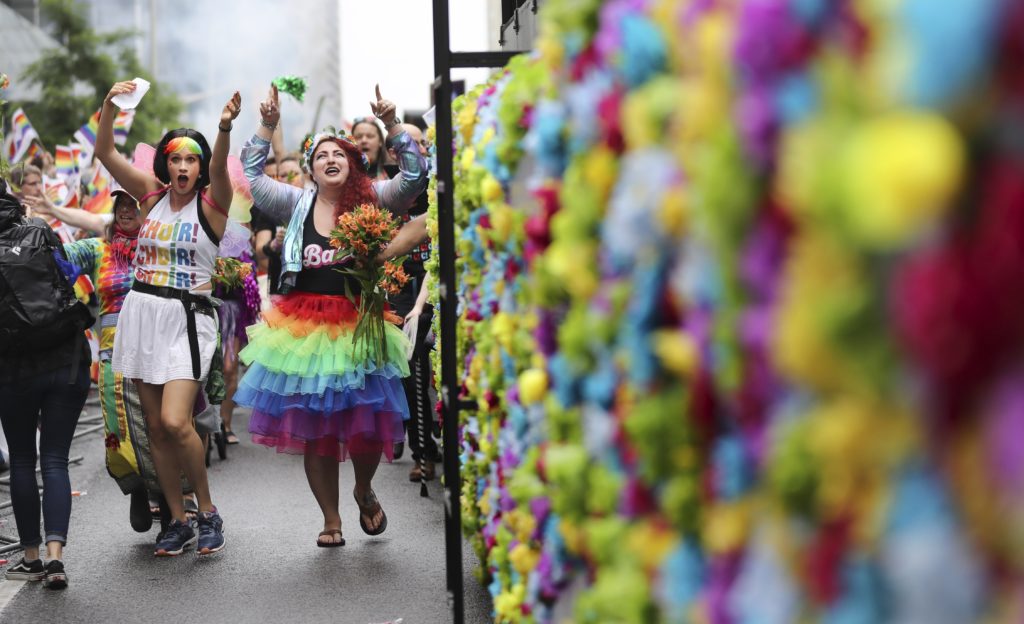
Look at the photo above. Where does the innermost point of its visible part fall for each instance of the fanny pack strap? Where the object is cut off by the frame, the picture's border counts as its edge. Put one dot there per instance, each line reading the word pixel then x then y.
pixel 192 304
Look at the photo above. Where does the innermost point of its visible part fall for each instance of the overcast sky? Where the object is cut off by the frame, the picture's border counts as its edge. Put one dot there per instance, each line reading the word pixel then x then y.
pixel 401 54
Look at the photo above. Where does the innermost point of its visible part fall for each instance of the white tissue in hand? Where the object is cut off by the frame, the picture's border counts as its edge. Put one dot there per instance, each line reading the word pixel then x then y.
pixel 128 101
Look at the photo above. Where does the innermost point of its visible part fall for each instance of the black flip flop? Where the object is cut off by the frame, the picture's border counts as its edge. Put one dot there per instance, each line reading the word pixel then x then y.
pixel 331 532
pixel 370 499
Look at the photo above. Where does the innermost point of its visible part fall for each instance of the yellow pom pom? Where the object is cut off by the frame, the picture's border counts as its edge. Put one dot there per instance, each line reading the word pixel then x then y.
pixel 900 172
pixel 726 527
pixel 490 189
pixel 550 48
pixel 601 169
pixel 503 328
pixel 674 214
pixel 524 559
pixel 466 120
pixel 533 385
pixel 651 544
pixel 467 159
pixel 485 502
pixel 575 540
pixel 676 350
pixel 501 221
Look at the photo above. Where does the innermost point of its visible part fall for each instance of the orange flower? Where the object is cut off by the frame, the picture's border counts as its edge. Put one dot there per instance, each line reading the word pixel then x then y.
pixel 364 231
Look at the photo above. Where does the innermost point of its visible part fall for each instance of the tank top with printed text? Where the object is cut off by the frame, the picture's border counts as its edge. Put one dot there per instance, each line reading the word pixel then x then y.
pixel 176 249
pixel 320 265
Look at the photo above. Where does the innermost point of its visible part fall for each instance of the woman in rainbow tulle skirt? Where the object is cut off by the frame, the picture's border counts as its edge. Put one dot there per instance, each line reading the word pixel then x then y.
pixel 313 390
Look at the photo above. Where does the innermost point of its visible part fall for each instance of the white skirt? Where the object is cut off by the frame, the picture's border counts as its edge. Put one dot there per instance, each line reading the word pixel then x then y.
pixel 151 342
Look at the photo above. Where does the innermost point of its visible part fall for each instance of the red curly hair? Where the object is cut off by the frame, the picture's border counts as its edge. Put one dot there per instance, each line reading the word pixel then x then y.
pixel 358 188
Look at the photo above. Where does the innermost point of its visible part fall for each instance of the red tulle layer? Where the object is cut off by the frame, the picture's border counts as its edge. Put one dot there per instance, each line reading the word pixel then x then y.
pixel 301 313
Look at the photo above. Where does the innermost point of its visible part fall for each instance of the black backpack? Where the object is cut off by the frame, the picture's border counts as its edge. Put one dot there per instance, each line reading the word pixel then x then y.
pixel 38 307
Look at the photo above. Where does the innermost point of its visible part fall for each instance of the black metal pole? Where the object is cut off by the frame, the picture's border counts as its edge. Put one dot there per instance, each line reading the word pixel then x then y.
pixel 449 302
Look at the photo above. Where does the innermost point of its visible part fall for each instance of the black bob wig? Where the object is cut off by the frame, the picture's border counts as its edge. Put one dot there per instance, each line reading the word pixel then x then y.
pixel 160 158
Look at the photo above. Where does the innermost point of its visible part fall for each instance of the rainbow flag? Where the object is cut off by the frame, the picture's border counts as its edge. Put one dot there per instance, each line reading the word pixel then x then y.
pixel 122 125
pixel 58 191
pixel 71 199
pixel 66 161
pixel 86 135
pixel 100 203
pixel 76 155
pixel 21 138
pixel 100 179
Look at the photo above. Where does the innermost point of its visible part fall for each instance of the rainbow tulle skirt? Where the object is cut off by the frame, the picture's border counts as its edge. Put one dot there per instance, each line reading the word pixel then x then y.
pixel 309 386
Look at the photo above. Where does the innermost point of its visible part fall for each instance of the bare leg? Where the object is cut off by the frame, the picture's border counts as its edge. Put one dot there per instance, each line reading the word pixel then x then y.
pixel 176 445
pixel 168 472
pixel 179 399
pixel 322 475
pixel 364 465
pixel 54 550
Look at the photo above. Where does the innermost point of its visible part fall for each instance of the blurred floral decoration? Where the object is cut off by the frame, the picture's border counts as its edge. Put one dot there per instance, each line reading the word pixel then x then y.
pixel 739 313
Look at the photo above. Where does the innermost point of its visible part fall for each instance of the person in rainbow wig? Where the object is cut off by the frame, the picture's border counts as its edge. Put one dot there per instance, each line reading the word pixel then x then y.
pixel 310 393
pixel 167 328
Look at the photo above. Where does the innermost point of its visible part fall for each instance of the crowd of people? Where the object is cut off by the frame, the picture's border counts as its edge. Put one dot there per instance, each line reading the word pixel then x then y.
pixel 174 344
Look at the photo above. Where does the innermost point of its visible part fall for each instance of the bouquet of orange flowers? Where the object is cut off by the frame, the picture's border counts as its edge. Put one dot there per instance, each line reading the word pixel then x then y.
pixel 363 234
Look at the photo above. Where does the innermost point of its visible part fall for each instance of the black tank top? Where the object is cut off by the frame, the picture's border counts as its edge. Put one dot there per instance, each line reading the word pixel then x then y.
pixel 320 264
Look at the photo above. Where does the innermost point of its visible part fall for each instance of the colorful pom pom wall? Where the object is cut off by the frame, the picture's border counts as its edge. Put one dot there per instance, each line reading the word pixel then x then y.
pixel 741 307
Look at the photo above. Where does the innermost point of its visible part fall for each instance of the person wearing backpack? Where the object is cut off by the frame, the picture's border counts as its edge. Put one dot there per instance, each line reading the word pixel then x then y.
pixel 44 380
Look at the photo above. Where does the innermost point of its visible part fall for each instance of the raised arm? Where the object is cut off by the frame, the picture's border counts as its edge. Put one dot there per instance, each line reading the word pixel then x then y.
pixel 400 192
pixel 136 182
pixel 409 235
pixel 220 181
pixel 277 141
pixel 275 199
pixel 75 217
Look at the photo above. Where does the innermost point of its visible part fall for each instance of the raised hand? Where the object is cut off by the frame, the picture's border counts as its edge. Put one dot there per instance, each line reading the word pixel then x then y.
pixel 39 205
pixel 231 109
pixel 120 87
pixel 383 109
pixel 270 108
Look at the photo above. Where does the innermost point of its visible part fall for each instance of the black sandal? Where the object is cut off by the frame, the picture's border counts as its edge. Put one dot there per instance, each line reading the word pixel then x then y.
pixel 368 508
pixel 331 533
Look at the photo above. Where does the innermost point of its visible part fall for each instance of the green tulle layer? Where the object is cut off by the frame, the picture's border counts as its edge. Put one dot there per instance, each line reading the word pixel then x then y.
pixel 323 352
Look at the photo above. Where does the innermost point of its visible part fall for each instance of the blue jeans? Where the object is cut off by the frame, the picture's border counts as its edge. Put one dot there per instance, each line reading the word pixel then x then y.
pixel 47 402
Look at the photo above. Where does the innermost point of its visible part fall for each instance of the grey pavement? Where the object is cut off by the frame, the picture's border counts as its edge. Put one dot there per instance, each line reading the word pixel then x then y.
pixel 271 570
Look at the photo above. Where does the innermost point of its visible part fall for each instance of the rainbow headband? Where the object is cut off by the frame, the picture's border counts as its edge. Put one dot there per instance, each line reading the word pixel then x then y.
pixel 328 134
pixel 183 144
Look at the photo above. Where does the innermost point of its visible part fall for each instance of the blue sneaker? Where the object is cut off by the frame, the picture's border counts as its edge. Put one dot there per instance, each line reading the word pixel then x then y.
pixel 211 532
pixel 175 539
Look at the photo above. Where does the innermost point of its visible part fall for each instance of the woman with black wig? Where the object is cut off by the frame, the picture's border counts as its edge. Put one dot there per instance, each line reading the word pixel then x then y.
pixel 167 329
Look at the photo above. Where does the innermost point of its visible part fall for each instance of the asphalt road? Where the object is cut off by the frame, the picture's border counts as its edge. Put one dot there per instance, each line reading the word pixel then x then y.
pixel 271 570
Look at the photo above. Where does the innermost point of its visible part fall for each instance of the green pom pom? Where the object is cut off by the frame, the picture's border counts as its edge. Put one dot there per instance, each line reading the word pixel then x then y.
pixel 292 85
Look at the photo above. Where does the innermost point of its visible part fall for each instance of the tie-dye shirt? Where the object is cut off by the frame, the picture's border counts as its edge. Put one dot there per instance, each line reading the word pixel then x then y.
pixel 94 258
